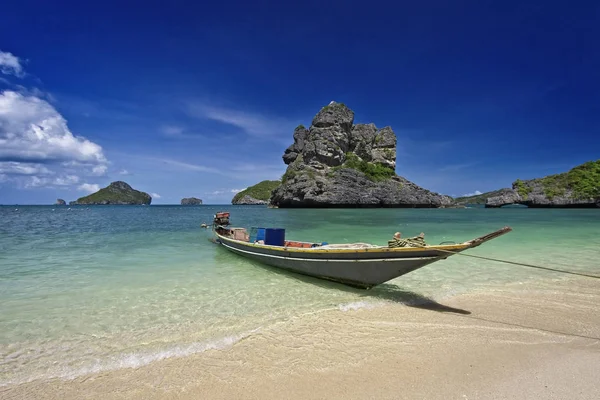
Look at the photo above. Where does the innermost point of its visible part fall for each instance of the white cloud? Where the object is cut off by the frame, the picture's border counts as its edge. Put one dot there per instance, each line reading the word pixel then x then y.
pixel 187 166
pixel 238 171
pixel 89 187
pixel 155 195
pixel 32 175
pixel 99 170
pixel 35 140
pixel 10 64
pixel 34 92
pixel 45 181
pixel 475 193
pixel 37 149
pixel 251 167
pixel 224 191
pixel 254 124
pixel 66 180
pixel 16 168
pixel 124 172
pixel 31 129
pixel 34 182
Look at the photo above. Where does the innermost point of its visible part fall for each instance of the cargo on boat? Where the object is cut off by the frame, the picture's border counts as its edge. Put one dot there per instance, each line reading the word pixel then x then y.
pixel 360 265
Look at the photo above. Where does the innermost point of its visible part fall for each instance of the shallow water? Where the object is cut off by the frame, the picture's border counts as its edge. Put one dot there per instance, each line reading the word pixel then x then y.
pixel 86 289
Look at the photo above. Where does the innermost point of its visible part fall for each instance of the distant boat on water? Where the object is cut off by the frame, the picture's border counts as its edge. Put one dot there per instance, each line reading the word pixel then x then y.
pixel 360 265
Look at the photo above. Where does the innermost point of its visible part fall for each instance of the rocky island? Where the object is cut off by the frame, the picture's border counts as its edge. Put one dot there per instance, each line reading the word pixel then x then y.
pixel 480 198
pixel 60 202
pixel 258 194
pixel 336 163
pixel 191 201
pixel 577 188
pixel 119 193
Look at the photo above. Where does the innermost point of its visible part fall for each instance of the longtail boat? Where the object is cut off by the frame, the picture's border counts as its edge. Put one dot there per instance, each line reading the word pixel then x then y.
pixel 359 265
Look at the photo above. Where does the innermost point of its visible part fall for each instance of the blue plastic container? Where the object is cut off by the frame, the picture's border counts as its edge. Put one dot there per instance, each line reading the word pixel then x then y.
pixel 260 233
pixel 275 236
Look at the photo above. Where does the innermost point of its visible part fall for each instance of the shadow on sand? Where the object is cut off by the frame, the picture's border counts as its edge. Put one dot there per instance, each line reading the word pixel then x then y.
pixel 411 299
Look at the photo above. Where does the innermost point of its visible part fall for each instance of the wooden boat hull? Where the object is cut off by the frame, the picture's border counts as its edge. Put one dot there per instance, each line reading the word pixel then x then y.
pixel 355 271
pixel 363 268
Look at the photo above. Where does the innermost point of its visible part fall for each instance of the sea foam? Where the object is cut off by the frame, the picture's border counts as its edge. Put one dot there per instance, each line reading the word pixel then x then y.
pixel 136 360
pixel 357 305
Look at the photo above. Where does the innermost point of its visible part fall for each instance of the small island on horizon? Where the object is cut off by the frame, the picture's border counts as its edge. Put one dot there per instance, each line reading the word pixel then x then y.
pixel 191 201
pixel 117 193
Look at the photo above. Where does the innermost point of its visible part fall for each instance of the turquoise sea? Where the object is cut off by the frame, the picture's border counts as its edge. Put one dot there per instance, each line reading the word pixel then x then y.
pixel 90 289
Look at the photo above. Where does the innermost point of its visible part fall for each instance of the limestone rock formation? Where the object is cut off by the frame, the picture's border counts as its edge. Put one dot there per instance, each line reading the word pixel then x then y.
pixel 119 193
pixel 509 196
pixel 258 194
pixel 577 188
pixel 251 201
pixel 60 202
pixel 336 163
pixel 191 201
pixel 480 198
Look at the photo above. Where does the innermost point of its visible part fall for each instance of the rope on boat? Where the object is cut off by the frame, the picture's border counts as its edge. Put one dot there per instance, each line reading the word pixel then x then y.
pixel 523 264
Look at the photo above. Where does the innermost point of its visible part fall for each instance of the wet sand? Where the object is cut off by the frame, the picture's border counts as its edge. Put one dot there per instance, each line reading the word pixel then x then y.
pixel 533 341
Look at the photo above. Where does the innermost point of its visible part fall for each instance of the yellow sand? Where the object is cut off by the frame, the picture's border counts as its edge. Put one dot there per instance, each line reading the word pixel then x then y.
pixel 518 342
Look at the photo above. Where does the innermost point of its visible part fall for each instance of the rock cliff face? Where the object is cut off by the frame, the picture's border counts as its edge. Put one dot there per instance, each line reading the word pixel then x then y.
pixel 60 202
pixel 577 188
pixel 250 201
pixel 117 192
pixel 191 201
pixel 336 163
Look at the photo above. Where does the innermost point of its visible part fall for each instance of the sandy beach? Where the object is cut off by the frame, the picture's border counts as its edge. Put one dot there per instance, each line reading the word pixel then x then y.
pixel 525 340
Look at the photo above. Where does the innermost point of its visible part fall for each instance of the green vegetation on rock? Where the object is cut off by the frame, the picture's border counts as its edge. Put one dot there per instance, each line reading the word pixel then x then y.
pixel 584 180
pixel 554 185
pixel 389 153
pixel 576 188
pixel 116 193
pixel 334 106
pixel 479 198
pixel 373 171
pixel 292 173
pixel 289 174
pixel 260 191
pixel 522 188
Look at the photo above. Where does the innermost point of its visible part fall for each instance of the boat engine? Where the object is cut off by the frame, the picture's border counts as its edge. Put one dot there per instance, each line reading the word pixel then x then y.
pixel 221 218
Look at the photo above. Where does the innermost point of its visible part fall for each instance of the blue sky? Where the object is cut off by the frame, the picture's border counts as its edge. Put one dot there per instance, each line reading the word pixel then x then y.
pixel 200 99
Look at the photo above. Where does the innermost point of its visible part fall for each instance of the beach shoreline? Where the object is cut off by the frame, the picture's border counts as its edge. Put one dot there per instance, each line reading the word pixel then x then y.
pixel 516 341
